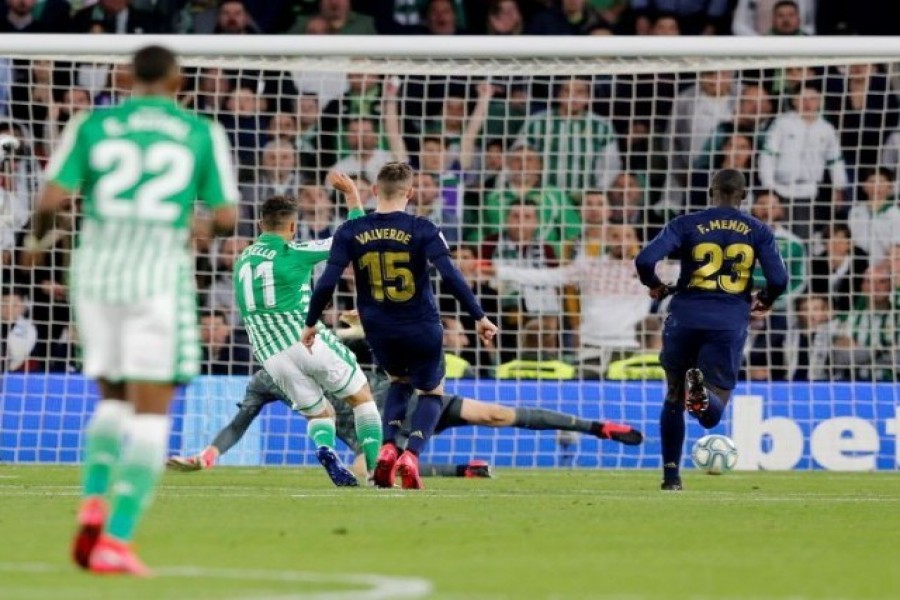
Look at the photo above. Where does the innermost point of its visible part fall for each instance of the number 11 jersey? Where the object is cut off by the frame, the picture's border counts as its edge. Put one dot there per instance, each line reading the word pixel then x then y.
pixel 140 167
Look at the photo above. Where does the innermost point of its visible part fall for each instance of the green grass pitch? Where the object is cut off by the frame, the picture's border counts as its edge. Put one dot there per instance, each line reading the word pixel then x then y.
pixel 286 534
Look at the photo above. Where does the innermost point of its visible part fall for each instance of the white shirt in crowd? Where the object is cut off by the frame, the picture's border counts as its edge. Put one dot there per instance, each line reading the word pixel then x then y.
pixel 613 300
pixel 875 232
pixel 21 339
pixel 352 165
pixel 796 155
pixel 695 116
pixel 754 17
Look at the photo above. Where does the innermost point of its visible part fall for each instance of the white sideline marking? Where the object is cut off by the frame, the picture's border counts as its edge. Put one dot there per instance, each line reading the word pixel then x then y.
pixel 379 587
pixel 648 495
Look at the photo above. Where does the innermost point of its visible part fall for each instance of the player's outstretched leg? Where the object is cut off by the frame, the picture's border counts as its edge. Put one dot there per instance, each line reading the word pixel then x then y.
pixel 103 442
pixel 540 419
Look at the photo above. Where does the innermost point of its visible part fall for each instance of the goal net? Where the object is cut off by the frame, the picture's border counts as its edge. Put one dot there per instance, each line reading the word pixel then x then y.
pixel 547 163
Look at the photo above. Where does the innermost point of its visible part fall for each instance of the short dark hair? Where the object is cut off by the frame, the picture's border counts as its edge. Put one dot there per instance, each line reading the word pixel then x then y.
pixel 153 63
pixel 214 313
pixel 781 3
pixel 522 202
pixel 730 183
pixel 393 178
pixel 804 299
pixel 443 141
pixel 883 171
pixel 277 211
pixel 836 229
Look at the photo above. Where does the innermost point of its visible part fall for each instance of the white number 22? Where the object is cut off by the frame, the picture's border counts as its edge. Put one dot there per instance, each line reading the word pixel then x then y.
pixel 125 163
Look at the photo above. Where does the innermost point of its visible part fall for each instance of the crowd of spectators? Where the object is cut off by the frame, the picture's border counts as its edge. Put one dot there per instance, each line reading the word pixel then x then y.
pixel 454 17
pixel 545 187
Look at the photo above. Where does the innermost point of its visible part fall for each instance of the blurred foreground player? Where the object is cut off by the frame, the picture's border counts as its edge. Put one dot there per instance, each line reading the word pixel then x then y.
pixel 704 334
pixel 140 166
pixel 390 251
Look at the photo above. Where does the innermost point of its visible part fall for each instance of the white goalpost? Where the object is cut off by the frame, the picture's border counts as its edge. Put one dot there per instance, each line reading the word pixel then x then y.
pixel 547 162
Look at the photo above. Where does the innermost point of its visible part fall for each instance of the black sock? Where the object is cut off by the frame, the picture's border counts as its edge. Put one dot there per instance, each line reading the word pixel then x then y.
pixel 394 412
pixel 671 433
pixel 423 422
pixel 540 419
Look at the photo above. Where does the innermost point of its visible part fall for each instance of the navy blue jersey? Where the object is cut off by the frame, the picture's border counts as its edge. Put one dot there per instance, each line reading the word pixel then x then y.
pixel 718 249
pixel 390 253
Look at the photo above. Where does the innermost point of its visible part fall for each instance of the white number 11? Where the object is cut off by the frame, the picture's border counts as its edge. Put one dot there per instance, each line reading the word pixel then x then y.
pixel 266 272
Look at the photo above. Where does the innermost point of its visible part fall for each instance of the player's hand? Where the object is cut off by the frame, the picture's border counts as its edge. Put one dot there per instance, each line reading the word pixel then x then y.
pixel 349 317
pixel 486 330
pixel 661 291
pixel 342 183
pixel 308 338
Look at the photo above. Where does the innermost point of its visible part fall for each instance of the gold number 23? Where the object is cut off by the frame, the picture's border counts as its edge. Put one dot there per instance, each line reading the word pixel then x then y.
pixel 708 276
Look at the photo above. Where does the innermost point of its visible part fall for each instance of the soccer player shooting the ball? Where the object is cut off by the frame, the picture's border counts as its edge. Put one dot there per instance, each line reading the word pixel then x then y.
pixel 390 251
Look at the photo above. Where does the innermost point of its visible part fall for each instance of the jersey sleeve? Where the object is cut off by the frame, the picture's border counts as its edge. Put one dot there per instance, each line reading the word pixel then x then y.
pixel 339 248
pixel 435 244
pixel 338 259
pixel 772 267
pixel 218 185
pixel 68 166
pixel 311 252
pixel 664 244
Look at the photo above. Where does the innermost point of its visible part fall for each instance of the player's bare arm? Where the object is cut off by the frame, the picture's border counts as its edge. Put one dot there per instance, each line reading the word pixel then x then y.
pixel 345 185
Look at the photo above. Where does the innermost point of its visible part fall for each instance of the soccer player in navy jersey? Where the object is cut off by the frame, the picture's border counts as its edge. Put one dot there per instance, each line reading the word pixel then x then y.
pixel 390 251
pixel 705 331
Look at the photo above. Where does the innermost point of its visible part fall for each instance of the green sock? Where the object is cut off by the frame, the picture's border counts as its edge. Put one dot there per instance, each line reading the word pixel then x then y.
pixel 368 431
pixel 102 445
pixel 321 431
pixel 137 474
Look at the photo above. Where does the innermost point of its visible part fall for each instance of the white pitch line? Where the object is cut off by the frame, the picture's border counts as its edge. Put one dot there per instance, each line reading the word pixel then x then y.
pixel 379 587
pixel 602 495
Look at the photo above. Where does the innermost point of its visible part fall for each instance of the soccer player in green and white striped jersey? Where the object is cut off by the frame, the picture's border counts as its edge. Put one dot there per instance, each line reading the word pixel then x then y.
pixel 140 167
pixel 272 283
pixel 578 148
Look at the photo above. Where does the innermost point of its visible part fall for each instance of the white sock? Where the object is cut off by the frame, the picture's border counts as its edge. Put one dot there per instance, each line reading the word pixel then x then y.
pixel 110 417
pixel 148 440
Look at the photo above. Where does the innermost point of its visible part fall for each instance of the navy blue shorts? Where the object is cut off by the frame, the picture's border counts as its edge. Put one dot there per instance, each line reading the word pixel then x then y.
pixel 415 354
pixel 716 352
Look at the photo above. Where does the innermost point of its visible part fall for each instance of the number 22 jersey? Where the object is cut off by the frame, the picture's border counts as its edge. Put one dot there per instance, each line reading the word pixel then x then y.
pixel 140 167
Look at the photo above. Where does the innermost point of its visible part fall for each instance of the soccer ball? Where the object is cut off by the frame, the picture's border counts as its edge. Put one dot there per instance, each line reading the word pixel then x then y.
pixel 715 454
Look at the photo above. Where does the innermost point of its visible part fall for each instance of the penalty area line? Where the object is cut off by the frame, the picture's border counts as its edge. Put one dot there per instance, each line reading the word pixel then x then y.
pixel 374 586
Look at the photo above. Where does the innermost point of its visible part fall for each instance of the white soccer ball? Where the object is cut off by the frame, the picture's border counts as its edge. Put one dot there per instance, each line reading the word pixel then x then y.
pixel 715 454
